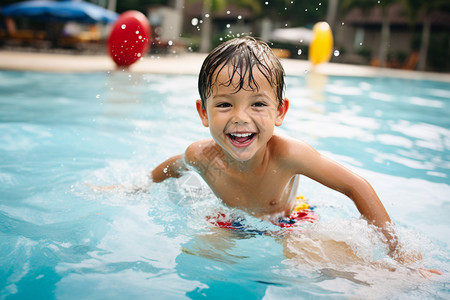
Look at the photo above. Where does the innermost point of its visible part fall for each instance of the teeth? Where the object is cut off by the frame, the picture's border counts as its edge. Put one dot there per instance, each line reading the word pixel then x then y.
pixel 241 134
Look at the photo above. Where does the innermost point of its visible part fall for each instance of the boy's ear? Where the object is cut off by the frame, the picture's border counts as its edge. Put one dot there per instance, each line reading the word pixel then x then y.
pixel 202 113
pixel 281 112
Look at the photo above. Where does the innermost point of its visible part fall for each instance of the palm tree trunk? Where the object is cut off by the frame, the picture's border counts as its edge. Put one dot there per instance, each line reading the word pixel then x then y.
pixel 384 43
pixel 332 12
pixel 112 5
pixel 422 64
pixel 206 28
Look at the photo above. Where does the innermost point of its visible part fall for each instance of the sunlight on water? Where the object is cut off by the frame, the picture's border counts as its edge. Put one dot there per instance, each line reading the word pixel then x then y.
pixel 63 239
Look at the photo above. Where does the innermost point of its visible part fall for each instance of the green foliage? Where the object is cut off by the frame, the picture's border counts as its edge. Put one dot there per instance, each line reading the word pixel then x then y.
pixel 439 52
pixel 364 5
pixel 220 5
pixel 295 12
pixel 365 52
pixel 139 5
pixel 415 7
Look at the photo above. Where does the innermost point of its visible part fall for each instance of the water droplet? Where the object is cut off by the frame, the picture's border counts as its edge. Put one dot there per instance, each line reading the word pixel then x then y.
pixel 239 17
pixel 98 96
pixel 306 71
pixel 194 21
pixel 360 44
pixel 206 15
pixel 228 25
pixel 228 12
pixel 140 37
pixel 170 43
pixel 299 52
pixel 139 55
pixel 336 52
pixel 342 23
pixel 306 9
pixel 123 26
pixel 266 3
pixel 137 31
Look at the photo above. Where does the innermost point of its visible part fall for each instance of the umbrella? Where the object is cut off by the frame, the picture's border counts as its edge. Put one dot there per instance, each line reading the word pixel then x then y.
pixel 79 11
pixel 292 35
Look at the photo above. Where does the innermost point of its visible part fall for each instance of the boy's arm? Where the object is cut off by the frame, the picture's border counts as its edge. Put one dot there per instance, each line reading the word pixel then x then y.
pixel 339 178
pixel 312 164
pixel 177 165
pixel 173 167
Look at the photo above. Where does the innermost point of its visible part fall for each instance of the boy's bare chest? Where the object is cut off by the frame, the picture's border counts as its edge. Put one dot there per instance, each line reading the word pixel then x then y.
pixel 264 193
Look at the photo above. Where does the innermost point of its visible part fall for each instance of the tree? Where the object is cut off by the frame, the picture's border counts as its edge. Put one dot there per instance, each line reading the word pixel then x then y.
pixel 211 7
pixel 367 5
pixel 413 9
pixel 140 5
pixel 294 12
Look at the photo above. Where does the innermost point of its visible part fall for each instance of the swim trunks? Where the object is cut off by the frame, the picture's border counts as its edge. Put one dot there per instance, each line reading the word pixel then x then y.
pixel 301 213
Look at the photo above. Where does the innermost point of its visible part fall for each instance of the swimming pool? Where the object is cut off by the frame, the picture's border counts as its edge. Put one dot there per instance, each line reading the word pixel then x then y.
pixel 60 239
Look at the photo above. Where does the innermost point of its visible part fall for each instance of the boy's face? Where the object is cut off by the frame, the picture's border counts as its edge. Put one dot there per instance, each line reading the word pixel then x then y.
pixel 242 122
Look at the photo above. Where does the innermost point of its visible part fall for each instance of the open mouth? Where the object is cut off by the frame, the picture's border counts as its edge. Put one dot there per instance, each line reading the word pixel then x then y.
pixel 241 139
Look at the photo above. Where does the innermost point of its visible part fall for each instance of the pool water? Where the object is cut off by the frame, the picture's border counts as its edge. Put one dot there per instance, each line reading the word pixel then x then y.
pixel 60 238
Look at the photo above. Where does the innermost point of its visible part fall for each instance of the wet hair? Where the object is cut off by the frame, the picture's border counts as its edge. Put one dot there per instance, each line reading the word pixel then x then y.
pixel 243 55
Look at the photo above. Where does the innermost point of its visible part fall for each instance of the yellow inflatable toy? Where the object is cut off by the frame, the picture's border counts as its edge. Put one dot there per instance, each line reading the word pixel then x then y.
pixel 322 44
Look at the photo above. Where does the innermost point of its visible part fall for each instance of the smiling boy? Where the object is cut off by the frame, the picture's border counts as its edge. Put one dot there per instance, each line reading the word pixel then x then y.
pixel 246 164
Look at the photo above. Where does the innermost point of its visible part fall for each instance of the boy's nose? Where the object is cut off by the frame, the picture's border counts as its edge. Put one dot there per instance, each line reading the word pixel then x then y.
pixel 241 116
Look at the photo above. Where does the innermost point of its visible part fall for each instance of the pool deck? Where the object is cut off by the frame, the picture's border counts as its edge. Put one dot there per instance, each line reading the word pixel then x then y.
pixel 185 63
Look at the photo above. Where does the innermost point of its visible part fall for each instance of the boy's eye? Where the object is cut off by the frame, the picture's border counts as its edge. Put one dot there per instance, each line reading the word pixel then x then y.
pixel 223 105
pixel 259 104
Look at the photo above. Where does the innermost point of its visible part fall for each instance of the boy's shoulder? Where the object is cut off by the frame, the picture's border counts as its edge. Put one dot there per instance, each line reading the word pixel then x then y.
pixel 286 148
pixel 202 150
pixel 284 144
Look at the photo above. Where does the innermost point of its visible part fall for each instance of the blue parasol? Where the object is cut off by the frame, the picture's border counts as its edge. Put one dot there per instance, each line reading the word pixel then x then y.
pixel 79 11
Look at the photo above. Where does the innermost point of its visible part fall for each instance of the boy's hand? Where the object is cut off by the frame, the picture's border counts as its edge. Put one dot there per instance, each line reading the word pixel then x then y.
pixel 428 273
pixel 99 188
pixel 404 257
pixel 121 188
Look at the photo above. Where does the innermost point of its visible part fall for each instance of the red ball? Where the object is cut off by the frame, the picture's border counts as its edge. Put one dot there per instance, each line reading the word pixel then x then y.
pixel 129 39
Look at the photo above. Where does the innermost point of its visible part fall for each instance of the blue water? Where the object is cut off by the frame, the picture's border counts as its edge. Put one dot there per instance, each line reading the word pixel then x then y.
pixel 59 238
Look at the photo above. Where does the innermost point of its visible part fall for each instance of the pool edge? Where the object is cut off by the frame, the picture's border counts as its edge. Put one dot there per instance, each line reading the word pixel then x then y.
pixel 188 63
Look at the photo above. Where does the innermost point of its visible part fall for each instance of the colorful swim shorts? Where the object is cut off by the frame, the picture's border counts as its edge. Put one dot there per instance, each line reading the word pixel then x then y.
pixel 301 213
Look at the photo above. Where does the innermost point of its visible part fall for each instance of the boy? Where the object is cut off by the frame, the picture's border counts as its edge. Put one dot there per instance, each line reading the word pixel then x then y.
pixel 246 165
